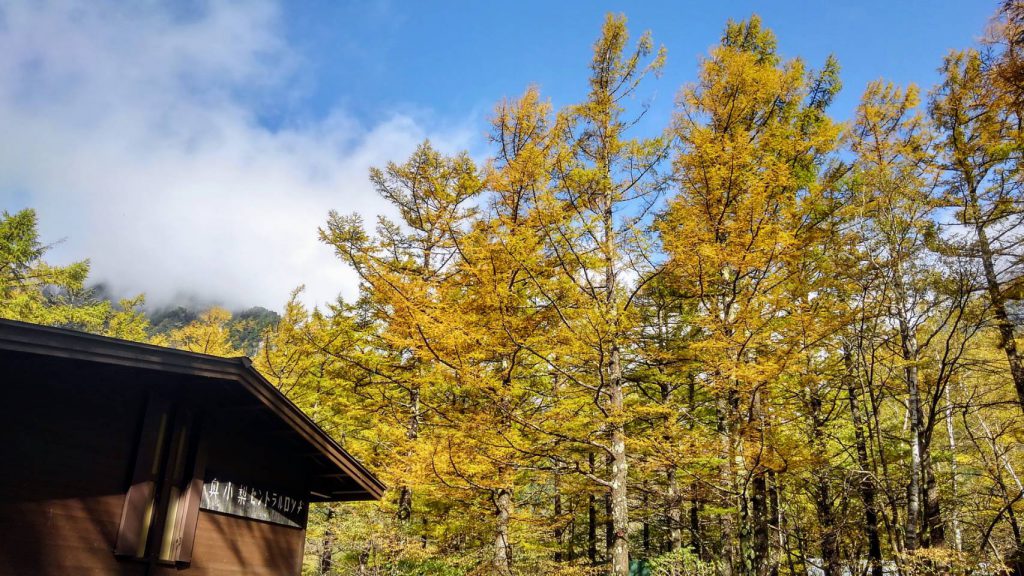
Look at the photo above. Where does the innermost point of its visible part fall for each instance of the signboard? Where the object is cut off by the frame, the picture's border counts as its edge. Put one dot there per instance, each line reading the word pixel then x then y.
pixel 247 501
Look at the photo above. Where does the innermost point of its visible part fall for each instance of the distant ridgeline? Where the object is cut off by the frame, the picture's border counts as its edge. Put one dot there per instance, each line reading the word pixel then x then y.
pixel 245 327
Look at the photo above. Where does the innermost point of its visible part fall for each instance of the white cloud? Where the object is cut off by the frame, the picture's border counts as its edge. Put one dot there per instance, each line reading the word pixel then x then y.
pixel 133 131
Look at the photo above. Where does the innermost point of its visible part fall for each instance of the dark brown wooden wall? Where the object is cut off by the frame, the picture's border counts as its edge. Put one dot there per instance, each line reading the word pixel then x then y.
pixel 66 456
pixel 68 434
pixel 228 545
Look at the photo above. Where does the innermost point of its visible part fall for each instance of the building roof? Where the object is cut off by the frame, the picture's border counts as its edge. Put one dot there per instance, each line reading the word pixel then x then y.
pixel 344 478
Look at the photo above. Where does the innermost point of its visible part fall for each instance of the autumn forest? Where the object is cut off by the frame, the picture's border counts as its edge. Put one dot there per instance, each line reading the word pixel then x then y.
pixel 763 342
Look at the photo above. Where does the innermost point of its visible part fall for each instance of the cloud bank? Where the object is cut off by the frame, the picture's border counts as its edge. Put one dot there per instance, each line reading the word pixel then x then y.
pixel 135 131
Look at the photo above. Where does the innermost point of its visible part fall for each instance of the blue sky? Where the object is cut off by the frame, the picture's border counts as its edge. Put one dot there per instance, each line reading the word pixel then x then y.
pixel 453 59
pixel 192 148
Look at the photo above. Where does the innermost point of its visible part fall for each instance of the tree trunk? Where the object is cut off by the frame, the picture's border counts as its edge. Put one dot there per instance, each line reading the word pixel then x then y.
pixel 913 520
pixel 560 529
pixel 696 535
pixel 867 479
pixel 760 534
pixel 609 528
pixel 823 496
pixel 591 520
pixel 571 540
pixel 404 503
pixel 646 528
pixel 829 538
pixel 731 525
pixel 620 504
pixel 774 521
pixel 935 534
pixel 933 509
pixel 784 538
pixel 674 515
pixel 327 552
pixel 1007 338
pixel 502 561
pixel 954 513
pixel 616 397
pixel 412 432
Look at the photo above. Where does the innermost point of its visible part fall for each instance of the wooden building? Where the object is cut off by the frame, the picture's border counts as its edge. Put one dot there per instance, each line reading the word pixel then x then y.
pixel 130 459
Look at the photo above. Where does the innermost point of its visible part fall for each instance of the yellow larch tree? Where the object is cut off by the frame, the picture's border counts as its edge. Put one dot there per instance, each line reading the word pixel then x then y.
pixel 750 166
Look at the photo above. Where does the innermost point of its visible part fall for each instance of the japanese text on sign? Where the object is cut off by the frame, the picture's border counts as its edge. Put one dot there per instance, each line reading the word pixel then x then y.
pixel 239 499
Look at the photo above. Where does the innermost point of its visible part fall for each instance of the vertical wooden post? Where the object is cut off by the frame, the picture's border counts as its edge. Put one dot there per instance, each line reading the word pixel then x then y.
pixel 139 508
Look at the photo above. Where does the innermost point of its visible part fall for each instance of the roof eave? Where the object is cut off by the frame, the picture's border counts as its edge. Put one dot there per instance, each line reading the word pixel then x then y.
pixel 64 343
